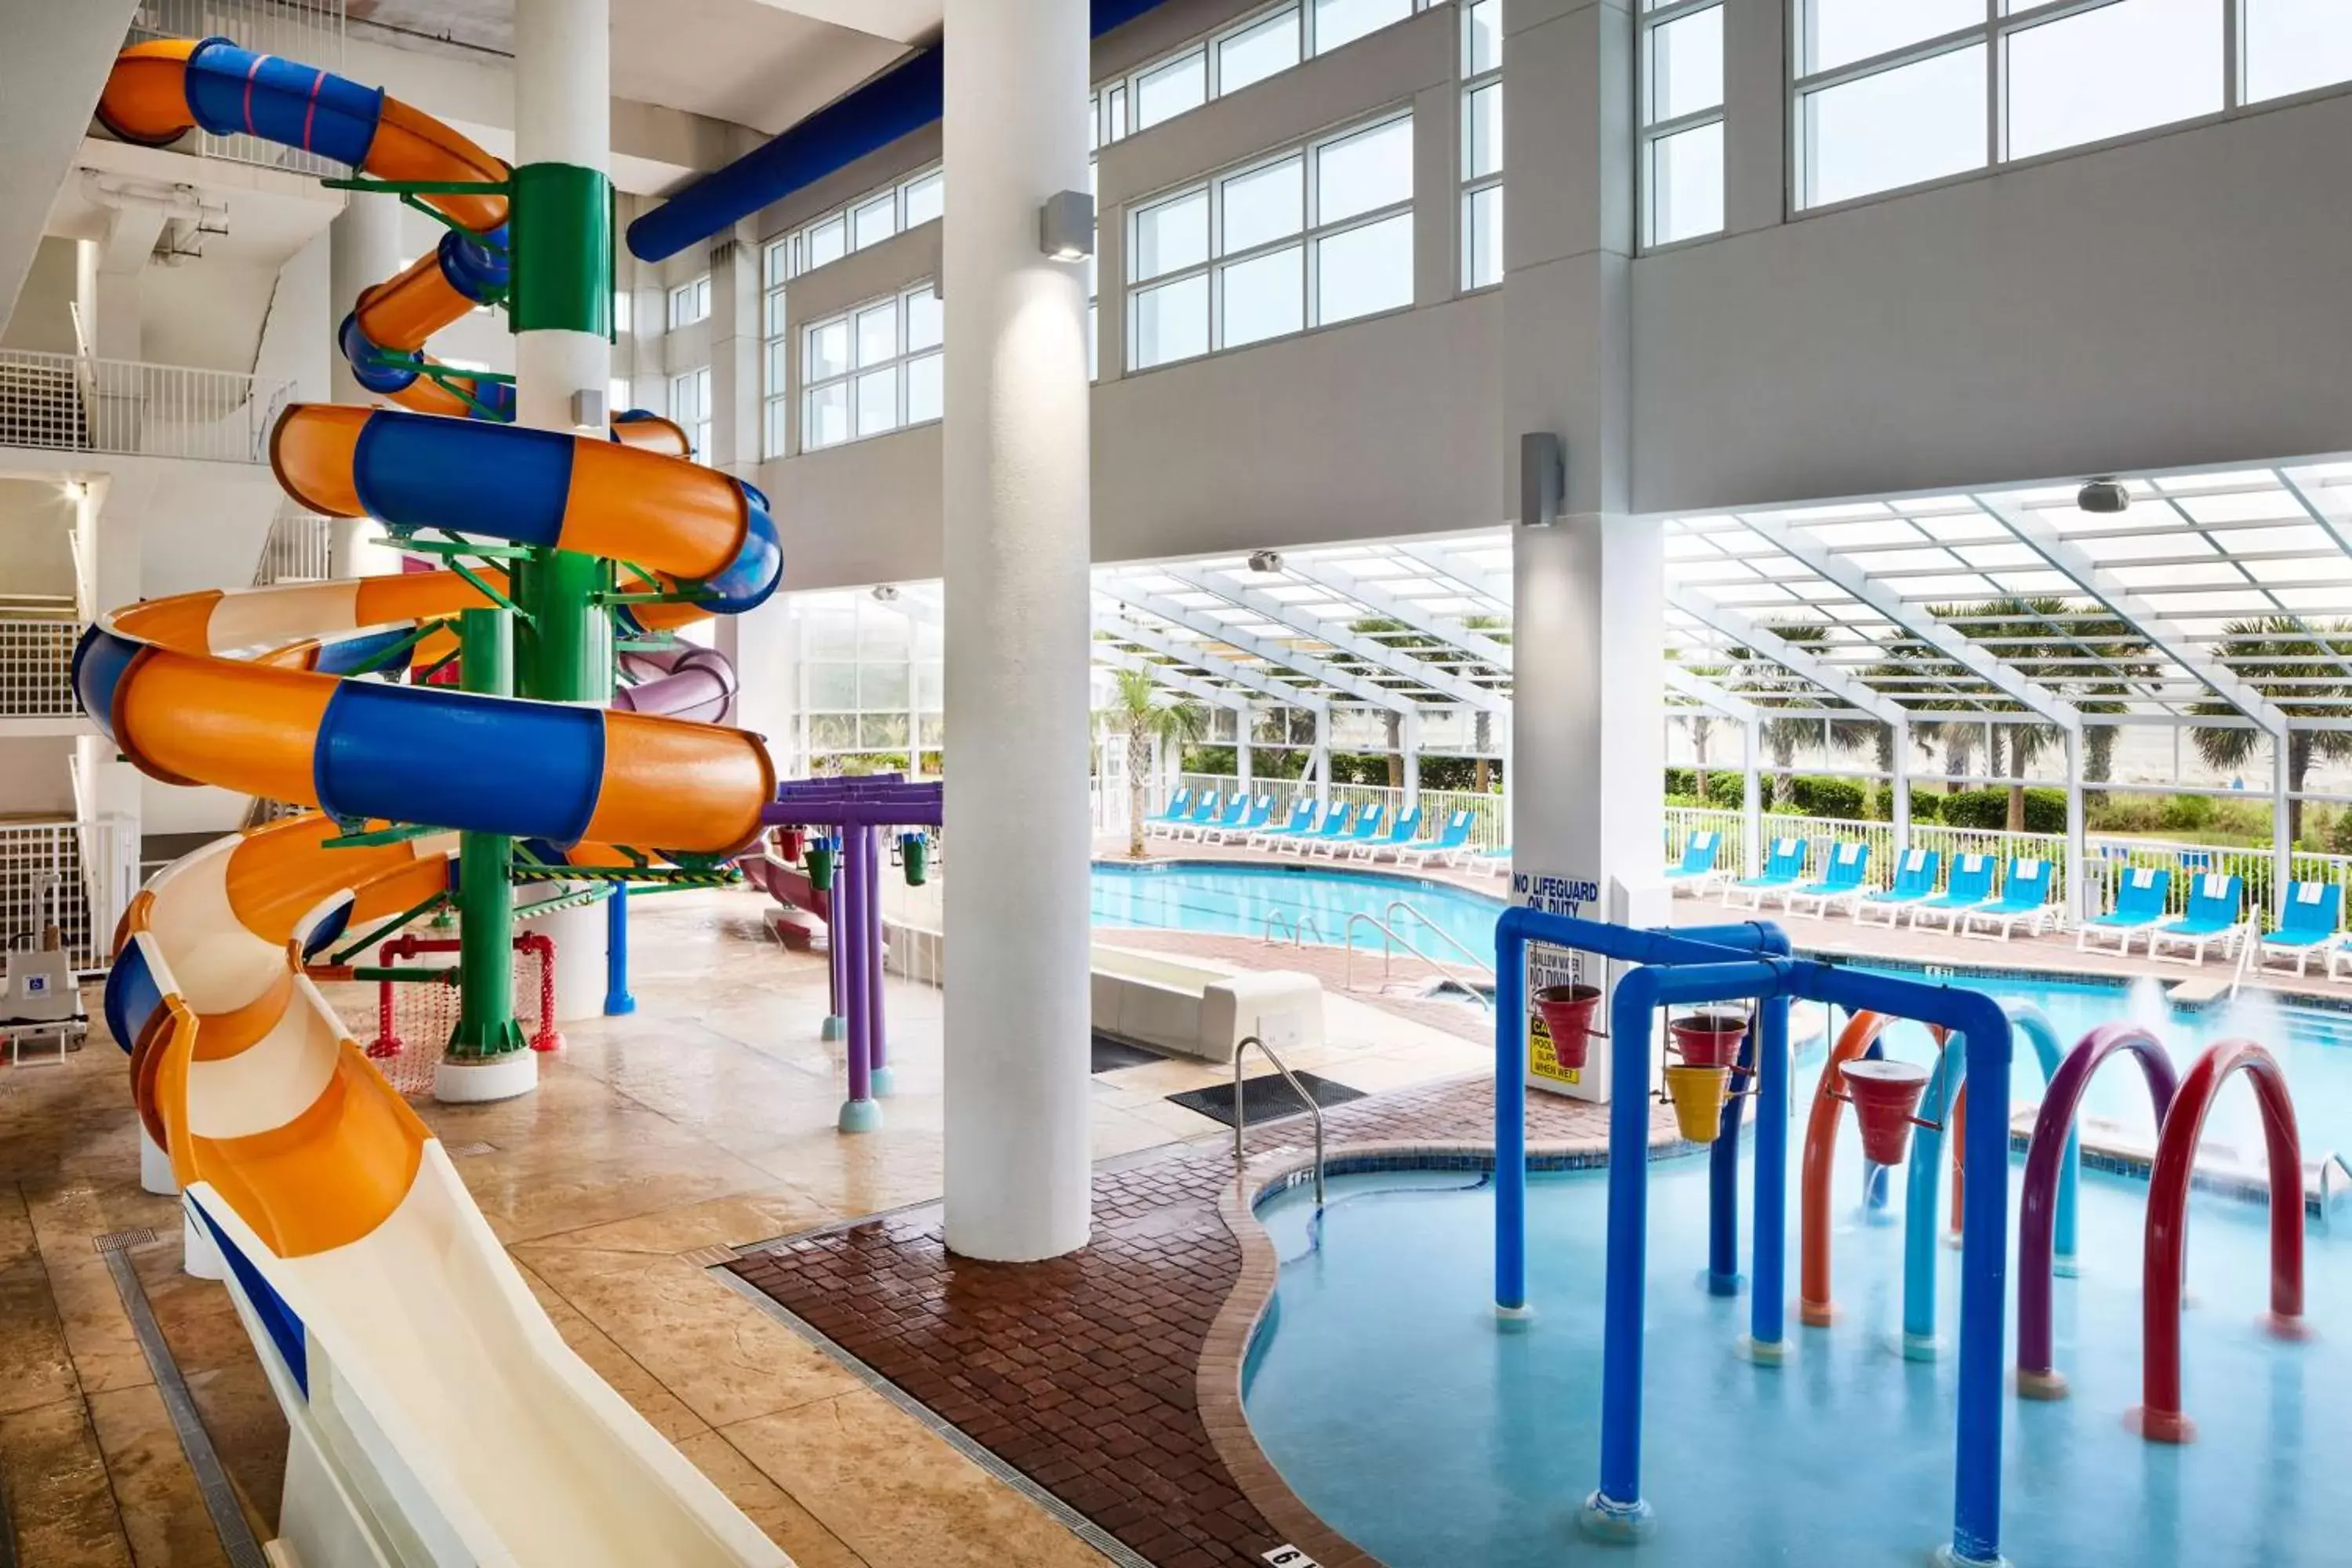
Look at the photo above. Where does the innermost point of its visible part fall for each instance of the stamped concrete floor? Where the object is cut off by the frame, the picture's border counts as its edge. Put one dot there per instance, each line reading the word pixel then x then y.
pixel 704 1120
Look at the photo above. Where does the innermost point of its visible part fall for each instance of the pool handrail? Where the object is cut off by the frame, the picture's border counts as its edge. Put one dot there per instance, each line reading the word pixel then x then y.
pixel 1241 1115
pixel 1456 943
pixel 1387 954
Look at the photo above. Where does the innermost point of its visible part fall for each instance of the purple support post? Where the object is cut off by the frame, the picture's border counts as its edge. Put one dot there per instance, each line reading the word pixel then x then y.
pixel 2036 1220
pixel 837 1019
pixel 877 1036
pixel 854 888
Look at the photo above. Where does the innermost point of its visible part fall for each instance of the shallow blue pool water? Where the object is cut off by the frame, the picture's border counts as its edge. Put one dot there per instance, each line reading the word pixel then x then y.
pixel 2313 1045
pixel 1237 900
pixel 1387 1399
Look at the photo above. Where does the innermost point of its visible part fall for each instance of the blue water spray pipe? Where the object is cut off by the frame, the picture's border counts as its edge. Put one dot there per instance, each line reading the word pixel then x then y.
pixel 1921 1211
pixel 1711 967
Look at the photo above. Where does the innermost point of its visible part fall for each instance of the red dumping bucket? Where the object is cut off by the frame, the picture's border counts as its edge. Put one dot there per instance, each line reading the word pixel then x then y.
pixel 1567 1013
pixel 1709 1039
pixel 1884 1094
pixel 789 841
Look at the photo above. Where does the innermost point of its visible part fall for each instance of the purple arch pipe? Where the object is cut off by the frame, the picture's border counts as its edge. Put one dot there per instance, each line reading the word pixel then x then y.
pixel 2037 1222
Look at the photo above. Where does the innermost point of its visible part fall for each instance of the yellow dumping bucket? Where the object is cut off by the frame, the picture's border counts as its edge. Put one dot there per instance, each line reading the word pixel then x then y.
pixel 1698 1093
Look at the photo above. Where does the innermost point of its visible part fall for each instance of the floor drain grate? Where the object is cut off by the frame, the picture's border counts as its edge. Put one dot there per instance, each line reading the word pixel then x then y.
pixel 468 1151
pixel 123 1240
pixel 709 1257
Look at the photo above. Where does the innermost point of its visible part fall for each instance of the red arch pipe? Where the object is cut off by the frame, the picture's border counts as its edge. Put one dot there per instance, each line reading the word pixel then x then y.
pixel 1815 1307
pixel 2037 1203
pixel 2158 1418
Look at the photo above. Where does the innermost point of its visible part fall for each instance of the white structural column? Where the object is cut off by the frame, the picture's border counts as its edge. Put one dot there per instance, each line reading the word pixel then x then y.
pixel 1018 613
pixel 563 114
pixel 1589 625
pixel 362 251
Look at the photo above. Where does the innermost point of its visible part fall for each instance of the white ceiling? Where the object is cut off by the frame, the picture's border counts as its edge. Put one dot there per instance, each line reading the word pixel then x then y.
pixel 765 64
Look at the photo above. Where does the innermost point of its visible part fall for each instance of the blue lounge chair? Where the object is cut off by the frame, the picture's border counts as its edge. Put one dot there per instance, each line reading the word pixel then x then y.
pixel 1255 814
pixel 1367 828
pixel 1336 820
pixel 1206 808
pixel 1697 868
pixel 1179 804
pixel 1469 858
pixel 2313 911
pixel 1302 820
pixel 2140 898
pixel 2024 901
pixel 1457 835
pixel 1915 883
pixel 1843 880
pixel 1407 827
pixel 2216 909
pixel 1969 887
pixel 1784 868
pixel 1236 812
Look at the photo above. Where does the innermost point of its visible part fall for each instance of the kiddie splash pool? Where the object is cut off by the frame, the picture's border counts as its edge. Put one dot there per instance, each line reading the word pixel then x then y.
pixel 1381 1388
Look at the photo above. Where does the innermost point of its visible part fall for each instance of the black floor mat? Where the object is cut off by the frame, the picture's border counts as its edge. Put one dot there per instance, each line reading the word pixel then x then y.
pixel 1110 1054
pixel 1265 1098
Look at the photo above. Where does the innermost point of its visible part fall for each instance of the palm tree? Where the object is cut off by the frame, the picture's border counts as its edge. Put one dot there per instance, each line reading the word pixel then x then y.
pixel 1786 688
pixel 1136 706
pixel 2023 649
pixel 1482 723
pixel 2280 656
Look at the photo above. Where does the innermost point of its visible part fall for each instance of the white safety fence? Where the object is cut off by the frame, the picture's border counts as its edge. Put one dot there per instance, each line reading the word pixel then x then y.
pixel 1489 824
pixel 37 667
pixel 2105 856
pixel 308 31
pixel 77 404
pixel 299 548
pixel 76 876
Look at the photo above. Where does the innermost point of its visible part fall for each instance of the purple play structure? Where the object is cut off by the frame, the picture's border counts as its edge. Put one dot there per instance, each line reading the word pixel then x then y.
pixel 857 813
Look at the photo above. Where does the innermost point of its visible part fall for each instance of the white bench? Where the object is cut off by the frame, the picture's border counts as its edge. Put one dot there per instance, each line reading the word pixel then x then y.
pixel 1192 1011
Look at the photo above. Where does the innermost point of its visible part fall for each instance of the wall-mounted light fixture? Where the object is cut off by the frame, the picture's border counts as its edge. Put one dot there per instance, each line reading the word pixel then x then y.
pixel 1543 478
pixel 1066 226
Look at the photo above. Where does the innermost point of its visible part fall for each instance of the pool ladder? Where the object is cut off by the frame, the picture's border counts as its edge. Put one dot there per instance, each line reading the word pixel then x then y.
pixel 1298 928
pixel 1241 1117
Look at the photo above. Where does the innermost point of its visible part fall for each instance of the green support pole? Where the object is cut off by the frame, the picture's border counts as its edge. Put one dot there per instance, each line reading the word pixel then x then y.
pixel 561 234
pixel 486 1020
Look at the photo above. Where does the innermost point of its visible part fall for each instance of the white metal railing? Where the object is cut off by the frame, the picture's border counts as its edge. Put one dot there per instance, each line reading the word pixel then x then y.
pixel 37 667
pixel 299 548
pixel 79 876
pixel 308 31
pixel 1489 827
pixel 1389 942
pixel 75 403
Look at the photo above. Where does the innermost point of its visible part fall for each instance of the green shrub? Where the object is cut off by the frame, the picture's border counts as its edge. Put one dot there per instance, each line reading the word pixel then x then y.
pixel 1818 796
pixel 2186 814
pixel 1727 792
pixel 1924 807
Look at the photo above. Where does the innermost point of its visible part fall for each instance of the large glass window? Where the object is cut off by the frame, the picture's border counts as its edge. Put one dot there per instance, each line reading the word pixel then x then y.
pixel 871 690
pixel 1896 92
pixel 1681 119
pixel 689 302
pixel 869 220
pixel 1481 143
pixel 689 409
pixel 1261 45
pixel 872 369
pixel 775 402
pixel 1320 234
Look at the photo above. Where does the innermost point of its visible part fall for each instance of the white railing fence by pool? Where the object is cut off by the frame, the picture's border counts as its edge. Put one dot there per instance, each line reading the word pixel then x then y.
pixel 308 31
pixel 1489 824
pixel 78 876
pixel 37 667
pixel 299 548
pixel 75 404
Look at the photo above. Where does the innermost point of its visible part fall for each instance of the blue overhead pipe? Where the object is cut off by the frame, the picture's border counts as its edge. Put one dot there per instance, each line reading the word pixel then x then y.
pixel 898 102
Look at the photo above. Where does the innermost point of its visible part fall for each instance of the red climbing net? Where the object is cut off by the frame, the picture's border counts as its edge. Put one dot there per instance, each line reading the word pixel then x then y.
pixel 415 1018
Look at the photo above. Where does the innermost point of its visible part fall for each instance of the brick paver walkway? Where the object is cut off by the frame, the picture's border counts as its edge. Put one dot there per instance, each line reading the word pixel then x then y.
pixel 1081 1371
